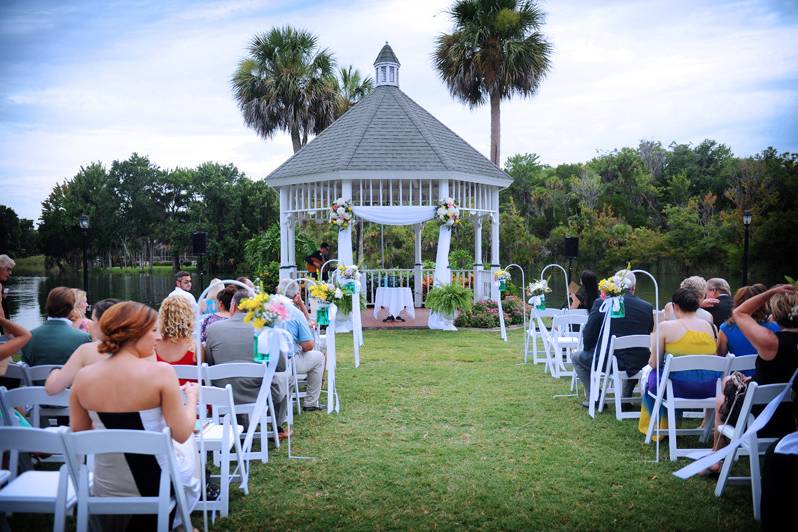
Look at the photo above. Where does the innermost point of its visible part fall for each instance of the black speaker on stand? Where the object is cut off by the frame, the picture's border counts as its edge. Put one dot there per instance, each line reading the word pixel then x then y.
pixel 199 247
pixel 571 252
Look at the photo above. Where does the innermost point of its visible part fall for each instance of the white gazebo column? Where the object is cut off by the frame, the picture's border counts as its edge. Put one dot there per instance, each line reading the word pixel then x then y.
pixel 443 275
pixel 417 273
pixel 477 258
pixel 291 236
pixel 285 262
pixel 494 238
pixel 345 235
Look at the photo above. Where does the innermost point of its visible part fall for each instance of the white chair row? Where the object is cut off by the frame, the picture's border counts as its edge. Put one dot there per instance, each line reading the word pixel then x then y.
pixel 29 375
pixel 54 491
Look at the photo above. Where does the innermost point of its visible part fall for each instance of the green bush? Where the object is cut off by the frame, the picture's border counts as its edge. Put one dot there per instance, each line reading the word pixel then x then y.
pixel 449 299
pixel 485 314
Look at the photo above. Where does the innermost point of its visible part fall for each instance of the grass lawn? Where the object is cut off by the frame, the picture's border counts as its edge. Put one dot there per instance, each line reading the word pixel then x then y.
pixel 443 430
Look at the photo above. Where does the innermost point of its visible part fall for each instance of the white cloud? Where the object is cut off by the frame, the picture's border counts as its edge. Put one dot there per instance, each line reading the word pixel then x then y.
pixel 622 71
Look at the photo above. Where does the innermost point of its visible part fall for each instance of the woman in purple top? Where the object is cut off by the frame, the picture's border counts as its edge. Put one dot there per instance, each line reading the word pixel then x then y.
pixel 223 300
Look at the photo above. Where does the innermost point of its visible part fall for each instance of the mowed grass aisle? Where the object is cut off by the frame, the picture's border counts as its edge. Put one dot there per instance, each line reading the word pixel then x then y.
pixel 444 430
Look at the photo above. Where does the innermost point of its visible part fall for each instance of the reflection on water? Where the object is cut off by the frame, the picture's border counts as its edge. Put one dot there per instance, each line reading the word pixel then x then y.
pixel 27 295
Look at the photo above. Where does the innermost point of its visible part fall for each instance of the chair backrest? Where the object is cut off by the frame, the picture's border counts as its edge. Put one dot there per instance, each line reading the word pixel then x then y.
pixel 698 362
pixel 8 417
pixel 574 312
pixel 230 370
pixel 186 371
pixel 28 440
pixel 629 342
pixel 565 322
pixel 18 371
pixel 219 399
pixel 550 312
pixel 158 444
pixel 33 398
pixel 742 363
pixel 757 395
pixel 40 373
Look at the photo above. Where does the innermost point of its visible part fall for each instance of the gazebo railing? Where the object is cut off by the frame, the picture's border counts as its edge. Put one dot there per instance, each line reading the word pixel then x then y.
pixel 406 277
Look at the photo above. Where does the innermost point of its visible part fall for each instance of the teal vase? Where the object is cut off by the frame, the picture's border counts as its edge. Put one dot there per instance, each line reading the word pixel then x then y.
pixel 322 318
pixel 620 312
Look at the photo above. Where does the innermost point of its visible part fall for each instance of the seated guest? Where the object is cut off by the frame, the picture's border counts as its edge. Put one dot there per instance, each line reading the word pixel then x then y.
pixel 718 300
pixel 6 268
pixel 639 319
pixel 129 390
pixel 61 379
pixel 307 359
pixel 55 340
pixel 686 335
pixel 587 294
pixel 223 300
pixel 775 346
pixel 208 304
pixel 17 337
pixel 247 281
pixel 231 341
pixel 78 314
pixel 699 286
pixel 183 288
pixel 731 339
pixel 176 323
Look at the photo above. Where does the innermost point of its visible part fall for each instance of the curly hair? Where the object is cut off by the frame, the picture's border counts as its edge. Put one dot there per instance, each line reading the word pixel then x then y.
pixel 79 308
pixel 124 322
pixel 695 283
pixel 784 308
pixel 176 318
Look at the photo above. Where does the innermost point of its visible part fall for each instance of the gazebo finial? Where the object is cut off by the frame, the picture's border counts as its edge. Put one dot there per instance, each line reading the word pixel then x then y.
pixel 386 67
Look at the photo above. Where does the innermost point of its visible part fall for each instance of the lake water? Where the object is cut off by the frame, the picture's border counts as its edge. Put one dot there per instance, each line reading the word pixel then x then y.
pixel 28 294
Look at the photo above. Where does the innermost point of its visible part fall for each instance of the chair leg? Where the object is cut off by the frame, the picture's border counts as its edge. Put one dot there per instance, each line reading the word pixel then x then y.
pixel 756 478
pixel 725 471
pixel 224 480
pixel 672 430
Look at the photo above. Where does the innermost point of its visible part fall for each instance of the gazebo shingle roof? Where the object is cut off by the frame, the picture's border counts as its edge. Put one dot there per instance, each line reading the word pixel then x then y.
pixel 386 55
pixel 387 131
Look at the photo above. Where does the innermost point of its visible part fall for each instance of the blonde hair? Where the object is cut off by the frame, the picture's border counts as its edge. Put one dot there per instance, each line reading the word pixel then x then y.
pixel 695 283
pixel 79 308
pixel 784 308
pixel 176 318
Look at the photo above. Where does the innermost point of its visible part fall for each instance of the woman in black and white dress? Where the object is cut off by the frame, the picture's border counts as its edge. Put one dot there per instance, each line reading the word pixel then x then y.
pixel 130 390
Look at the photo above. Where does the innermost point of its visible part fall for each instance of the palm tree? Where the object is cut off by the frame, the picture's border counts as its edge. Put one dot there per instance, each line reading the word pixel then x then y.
pixel 495 51
pixel 286 83
pixel 351 88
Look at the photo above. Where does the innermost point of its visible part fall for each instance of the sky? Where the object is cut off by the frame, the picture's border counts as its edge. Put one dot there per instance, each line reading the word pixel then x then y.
pixel 86 81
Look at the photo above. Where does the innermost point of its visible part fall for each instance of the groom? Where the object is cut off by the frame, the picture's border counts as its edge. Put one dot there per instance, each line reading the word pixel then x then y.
pixel 639 319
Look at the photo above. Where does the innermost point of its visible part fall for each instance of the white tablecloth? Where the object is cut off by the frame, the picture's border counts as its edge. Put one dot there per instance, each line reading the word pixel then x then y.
pixel 394 299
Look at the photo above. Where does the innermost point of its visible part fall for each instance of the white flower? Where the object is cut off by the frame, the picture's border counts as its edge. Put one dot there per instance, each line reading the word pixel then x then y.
pixel 451 211
pixel 338 293
pixel 450 222
pixel 347 216
pixel 339 201
pixel 339 221
pixel 442 211
pixel 340 211
pixel 449 201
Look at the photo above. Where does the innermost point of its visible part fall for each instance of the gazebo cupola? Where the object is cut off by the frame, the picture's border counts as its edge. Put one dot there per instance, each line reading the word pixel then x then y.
pixel 395 163
pixel 386 67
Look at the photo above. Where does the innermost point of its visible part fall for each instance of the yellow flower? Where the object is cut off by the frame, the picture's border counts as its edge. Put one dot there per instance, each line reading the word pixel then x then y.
pixel 248 317
pixel 258 323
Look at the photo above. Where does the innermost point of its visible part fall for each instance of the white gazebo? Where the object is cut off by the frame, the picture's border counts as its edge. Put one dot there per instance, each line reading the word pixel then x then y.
pixel 395 162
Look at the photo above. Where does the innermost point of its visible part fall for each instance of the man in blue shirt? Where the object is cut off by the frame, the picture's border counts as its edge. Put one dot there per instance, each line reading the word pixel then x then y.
pixel 306 358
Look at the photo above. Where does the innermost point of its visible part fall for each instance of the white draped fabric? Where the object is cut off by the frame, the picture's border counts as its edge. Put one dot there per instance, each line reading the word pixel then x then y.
pixel 345 245
pixel 443 274
pixel 502 328
pixel 395 215
pixel 440 322
pixel 333 403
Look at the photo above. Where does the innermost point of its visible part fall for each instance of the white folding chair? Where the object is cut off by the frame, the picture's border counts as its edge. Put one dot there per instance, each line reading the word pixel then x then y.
pixel 7 416
pixel 222 434
pixel 743 363
pixel 18 371
pixel 565 341
pixel 37 404
pixel 268 416
pixel 49 492
pixel 158 444
pixel 298 384
pixel 753 446
pixel 614 378
pixel 538 328
pixel 666 398
pixel 186 371
pixel 38 374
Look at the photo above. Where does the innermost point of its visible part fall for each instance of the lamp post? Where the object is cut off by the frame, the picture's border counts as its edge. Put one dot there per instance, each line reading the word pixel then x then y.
pixel 83 223
pixel 746 223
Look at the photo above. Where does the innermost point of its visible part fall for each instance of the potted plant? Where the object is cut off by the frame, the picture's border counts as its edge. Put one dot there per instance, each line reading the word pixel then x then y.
pixel 446 301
